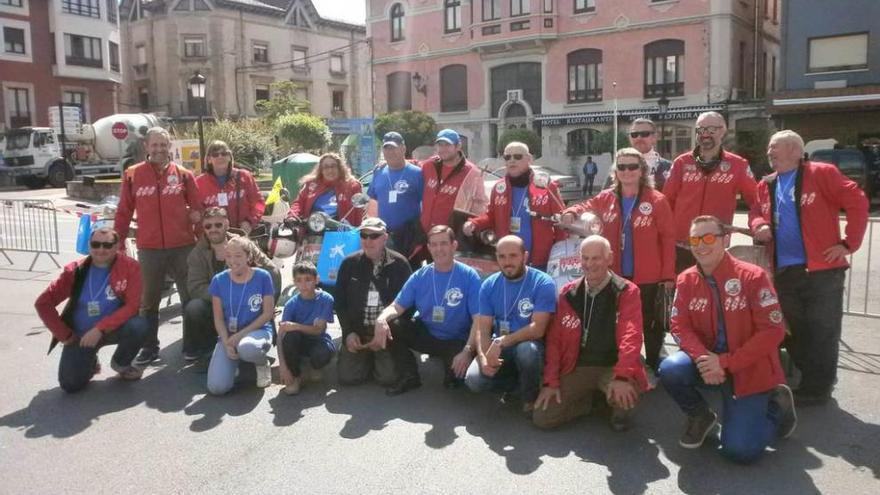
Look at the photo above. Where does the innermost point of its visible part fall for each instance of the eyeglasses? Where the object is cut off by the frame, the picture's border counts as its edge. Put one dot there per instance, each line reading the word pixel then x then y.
pixel 628 166
pixel 709 129
pixel 217 154
pixel 708 239
pixel 99 244
pixel 215 225
pixel 640 134
pixel 371 236
pixel 514 156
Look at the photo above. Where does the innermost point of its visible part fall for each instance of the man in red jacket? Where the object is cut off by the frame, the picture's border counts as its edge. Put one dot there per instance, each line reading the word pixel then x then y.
pixel 164 197
pixel 705 181
pixel 727 320
pixel 593 343
pixel 798 209
pixel 103 291
pixel 514 198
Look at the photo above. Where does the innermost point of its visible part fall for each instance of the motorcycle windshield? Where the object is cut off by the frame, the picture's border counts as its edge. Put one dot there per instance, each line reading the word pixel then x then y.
pixel 472 197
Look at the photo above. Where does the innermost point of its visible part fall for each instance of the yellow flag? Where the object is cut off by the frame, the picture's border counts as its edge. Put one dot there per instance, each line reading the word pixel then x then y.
pixel 275 195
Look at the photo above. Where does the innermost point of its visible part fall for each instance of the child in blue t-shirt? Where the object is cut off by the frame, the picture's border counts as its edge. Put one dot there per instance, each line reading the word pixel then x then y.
pixel 303 328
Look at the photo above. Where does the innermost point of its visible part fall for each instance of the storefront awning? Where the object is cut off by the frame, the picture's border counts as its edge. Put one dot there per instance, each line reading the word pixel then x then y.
pixel 606 116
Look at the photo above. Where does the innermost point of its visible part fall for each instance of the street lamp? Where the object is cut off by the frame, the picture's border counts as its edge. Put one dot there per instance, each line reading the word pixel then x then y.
pixel 197 90
pixel 663 106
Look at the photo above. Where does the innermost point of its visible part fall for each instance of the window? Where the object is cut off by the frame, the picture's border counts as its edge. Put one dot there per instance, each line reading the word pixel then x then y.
pixel 397 22
pixel 664 68
pixel 548 6
pixel 337 63
pixel 13 40
pixel 261 92
pixel 11 3
pixel 140 54
pixel 338 101
pixel 184 5
pixel 519 7
pixel 453 88
pixel 585 75
pixel 583 142
pixel 194 46
pixel 76 99
pixel 302 94
pixel 112 11
pixel 452 15
pixel 144 99
pixel 18 104
pixel 299 57
pixel 581 6
pixel 399 91
pixel 88 8
pixel 298 17
pixel 83 50
pixel 114 57
pixel 525 76
pixel 261 53
pixel 832 53
pixel 519 25
pixel 491 10
pixel 773 73
pixel 741 76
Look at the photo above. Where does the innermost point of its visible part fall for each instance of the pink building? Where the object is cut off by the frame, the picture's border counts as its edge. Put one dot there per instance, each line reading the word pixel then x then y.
pixel 559 66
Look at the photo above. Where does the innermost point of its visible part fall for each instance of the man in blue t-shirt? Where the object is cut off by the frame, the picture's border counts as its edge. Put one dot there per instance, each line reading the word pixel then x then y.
pixel 445 295
pixel 396 193
pixel 516 305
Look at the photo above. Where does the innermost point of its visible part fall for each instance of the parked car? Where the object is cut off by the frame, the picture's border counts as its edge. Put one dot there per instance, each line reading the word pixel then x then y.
pixel 852 163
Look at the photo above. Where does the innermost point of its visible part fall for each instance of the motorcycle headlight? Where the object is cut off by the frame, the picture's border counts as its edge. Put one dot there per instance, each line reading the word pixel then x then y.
pixel 488 237
pixel 317 223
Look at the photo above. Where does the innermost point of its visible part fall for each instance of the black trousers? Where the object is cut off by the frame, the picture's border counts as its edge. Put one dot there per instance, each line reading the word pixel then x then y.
pixel 653 329
pixel 297 345
pixel 199 334
pixel 412 335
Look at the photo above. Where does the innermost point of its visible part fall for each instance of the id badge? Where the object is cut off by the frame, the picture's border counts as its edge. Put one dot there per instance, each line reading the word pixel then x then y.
pixel 373 298
pixel 222 199
pixel 93 308
pixel 503 328
pixel 437 314
pixel 233 324
pixel 392 196
pixel 515 225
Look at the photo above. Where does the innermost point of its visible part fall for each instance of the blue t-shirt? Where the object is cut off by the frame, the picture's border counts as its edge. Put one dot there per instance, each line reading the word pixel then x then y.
pixel 326 202
pixel 95 288
pixel 242 301
pixel 306 311
pixel 520 208
pixel 222 179
pixel 627 261
pixel 789 239
pixel 515 302
pixel 456 292
pixel 398 193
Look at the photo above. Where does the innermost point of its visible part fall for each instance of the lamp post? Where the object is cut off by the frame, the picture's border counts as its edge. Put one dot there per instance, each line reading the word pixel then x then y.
pixel 197 89
pixel 663 106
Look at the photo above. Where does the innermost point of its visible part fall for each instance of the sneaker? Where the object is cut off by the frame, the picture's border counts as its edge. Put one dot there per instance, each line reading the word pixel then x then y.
pixel 128 373
pixel 698 427
pixel 146 356
pixel 294 387
pixel 191 356
pixel 784 400
pixel 264 376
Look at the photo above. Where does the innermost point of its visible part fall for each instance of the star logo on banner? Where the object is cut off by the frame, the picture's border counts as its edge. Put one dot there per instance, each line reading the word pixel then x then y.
pixel 337 251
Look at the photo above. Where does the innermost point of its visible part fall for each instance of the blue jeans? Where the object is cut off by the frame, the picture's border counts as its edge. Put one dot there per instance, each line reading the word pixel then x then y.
pixel 77 364
pixel 523 366
pixel 748 424
pixel 252 348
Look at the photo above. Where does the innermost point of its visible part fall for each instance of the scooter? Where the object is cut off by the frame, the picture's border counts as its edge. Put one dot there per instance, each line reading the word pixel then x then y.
pixel 564 263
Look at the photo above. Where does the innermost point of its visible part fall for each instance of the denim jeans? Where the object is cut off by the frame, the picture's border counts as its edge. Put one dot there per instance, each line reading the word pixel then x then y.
pixel 77 364
pixel 749 424
pixel 252 348
pixel 297 345
pixel 812 303
pixel 523 366
pixel 199 334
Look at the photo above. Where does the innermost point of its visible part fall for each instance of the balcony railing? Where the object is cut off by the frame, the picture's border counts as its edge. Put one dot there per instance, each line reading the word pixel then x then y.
pixel 667 89
pixel 585 95
pixel 85 62
pixel 81 7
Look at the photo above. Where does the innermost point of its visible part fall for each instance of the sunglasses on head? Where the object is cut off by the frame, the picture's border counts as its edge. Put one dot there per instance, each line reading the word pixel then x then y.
pixel 640 134
pixel 370 235
pixel 628 166
pixel 215 225
pixel 217 154
pixel 514 156
pixel 99 244
pixel 708 239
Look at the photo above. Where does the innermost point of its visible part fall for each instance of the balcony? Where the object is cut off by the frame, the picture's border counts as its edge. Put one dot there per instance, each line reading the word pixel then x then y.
pixel 508 33
pixel 85 62
pixel 667 89
pixel 140 70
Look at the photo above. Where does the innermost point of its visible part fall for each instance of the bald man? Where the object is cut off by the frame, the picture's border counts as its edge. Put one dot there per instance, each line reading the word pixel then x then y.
pixel 516 305
pixel 593 344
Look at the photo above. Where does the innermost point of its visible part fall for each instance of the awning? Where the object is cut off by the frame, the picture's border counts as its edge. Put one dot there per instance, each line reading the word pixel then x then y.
pixel 606 116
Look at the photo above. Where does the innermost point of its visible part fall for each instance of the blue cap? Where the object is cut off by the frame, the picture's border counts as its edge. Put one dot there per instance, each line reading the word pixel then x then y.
pixel 392 139
pixel 449 136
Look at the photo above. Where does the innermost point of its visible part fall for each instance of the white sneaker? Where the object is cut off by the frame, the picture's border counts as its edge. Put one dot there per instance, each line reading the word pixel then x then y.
pixel 264 376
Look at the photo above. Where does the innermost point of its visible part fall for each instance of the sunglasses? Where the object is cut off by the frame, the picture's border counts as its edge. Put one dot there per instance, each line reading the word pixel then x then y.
pixel 709 129
pixel 515 156
pixel 371 236
pixel 628 166
pixel 217 154
pixel 708 239
pixel 99 244
pixel 640 134
pixel 215 225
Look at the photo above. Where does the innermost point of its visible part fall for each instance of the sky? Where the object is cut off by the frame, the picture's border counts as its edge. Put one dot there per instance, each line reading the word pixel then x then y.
pixel 352 11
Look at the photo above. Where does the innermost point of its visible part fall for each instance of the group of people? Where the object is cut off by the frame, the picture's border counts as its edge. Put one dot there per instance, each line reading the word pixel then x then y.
pixel 563 353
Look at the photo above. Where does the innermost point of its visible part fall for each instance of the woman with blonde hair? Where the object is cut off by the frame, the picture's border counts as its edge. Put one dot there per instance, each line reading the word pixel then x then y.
pixel 328 188
pixel 229 187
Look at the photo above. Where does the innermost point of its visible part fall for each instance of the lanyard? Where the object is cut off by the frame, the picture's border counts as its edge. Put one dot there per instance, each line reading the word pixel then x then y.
pixel 626 220
pixel 241 298
pixel 508 309
pixel 104 284
pixel 434 283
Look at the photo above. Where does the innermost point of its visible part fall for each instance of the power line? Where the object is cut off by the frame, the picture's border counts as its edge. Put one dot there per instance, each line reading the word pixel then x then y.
pixel 286 63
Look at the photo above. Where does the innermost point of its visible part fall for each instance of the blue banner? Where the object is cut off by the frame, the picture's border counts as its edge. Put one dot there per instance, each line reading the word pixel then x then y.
pixel 334 249
pixel 83 232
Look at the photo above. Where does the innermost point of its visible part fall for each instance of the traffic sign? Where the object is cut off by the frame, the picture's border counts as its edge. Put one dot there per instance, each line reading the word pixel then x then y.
pixel 119 130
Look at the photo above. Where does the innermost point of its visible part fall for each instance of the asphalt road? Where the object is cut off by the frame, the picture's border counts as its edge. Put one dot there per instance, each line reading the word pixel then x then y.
pixel 164 435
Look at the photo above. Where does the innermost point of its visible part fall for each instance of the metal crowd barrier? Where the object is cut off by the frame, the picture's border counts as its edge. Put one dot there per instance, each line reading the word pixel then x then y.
pixel 31 226
pixel 860 298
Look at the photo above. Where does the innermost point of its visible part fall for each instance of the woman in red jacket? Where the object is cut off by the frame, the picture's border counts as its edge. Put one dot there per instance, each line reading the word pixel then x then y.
pixel 229 187
pixel 637 221
pixel 328 188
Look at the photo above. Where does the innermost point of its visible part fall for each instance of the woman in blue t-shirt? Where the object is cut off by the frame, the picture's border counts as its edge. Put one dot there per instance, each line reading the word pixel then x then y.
pixel 244 306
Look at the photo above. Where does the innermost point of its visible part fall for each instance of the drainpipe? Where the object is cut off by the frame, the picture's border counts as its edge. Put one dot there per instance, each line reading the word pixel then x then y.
pixel 755 50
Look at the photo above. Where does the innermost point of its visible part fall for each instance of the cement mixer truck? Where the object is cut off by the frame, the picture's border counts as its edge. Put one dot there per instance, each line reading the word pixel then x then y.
pixel 40 155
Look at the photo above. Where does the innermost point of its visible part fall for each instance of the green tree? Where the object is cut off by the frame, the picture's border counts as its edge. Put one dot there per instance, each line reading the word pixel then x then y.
pixel 527 136
pixel 252 141
pixel 417 128
pixel 604 142
pixel 302 132
pixel 283 101
pixel 752 145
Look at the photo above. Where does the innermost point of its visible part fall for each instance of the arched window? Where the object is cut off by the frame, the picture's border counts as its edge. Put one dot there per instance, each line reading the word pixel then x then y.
pixel 525 76
pixel 399 91
pixel 396 22
pixel 664 68
pixel 582 142
pixel 453 88
pixel 452 15
pixel 585 75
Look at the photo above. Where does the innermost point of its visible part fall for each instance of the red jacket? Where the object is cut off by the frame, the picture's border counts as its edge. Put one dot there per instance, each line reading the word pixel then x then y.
pixel 162 201
pixel 824 191
pixel 461 188
pixel 125 281
pixel 653 236
pixel 692 192
pixel 563 338
pixel 244 201
pixel 302 205
pixel 545 201
pixel 752 319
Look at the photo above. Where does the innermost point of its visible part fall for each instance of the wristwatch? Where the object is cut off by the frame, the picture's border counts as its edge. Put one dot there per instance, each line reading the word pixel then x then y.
pixel 469 348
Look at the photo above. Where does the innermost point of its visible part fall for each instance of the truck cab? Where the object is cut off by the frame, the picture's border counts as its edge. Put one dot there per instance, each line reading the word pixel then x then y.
pixel 33 156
